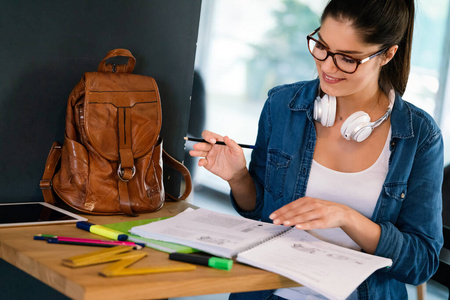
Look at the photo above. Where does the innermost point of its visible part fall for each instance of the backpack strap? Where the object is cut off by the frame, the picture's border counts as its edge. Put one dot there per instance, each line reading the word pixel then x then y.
pixel 126 168
pixel 124 198
pixel 169 160
pixel 46 184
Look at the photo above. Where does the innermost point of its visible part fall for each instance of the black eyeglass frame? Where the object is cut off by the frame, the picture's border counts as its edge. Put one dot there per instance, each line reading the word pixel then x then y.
pixel 332 54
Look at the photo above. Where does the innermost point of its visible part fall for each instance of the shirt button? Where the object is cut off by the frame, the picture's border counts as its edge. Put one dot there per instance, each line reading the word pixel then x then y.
pixel 402 195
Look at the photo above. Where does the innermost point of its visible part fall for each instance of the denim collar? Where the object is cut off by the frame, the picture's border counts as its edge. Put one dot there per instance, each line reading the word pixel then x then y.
pixel 401 117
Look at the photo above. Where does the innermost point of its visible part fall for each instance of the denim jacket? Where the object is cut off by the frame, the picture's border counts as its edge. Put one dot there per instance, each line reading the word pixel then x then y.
pixel 408 208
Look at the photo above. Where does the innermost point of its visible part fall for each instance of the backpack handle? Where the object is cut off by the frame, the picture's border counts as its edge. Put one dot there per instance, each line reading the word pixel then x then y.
pixel 125 68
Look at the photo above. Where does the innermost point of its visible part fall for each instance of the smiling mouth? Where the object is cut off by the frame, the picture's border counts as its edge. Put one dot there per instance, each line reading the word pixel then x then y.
pixel 330 79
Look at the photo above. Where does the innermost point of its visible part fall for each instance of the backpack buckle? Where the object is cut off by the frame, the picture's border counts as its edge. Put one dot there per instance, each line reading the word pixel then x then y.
pixel 46 184
pixel 121 173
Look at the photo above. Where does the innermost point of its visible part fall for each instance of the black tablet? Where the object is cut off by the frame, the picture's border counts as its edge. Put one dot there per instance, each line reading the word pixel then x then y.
pixel 34 213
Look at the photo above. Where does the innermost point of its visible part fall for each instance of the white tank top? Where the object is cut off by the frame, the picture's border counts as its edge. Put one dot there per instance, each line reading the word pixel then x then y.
pixel 358 190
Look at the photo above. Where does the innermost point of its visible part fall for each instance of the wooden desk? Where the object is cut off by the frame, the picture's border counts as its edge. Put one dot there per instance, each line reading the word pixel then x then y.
pixel 43 261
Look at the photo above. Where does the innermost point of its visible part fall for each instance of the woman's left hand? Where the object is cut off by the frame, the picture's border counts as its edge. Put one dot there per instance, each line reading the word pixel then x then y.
pixel 311 213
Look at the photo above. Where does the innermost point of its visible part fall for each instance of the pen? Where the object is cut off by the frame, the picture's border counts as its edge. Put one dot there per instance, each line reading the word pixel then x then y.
pixel 85 243
pixel 81 240
pixel 213 262
pixel 103 231
pixel 217 143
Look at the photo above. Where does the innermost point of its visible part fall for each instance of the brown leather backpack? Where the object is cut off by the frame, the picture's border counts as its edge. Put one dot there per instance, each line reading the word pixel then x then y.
pixel 112 157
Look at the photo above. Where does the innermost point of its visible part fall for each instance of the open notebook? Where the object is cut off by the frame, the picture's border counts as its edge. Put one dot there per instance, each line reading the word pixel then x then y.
pixel 331 270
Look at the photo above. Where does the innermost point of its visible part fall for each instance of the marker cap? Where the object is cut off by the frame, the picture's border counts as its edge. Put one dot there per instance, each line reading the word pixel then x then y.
pixel 220 263
pixel 84 225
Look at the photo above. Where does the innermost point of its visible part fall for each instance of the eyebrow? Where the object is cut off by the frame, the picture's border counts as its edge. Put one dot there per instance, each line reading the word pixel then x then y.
pixel 340 51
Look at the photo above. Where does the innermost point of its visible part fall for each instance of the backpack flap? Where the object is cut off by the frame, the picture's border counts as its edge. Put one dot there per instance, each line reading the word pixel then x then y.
pixel 121 110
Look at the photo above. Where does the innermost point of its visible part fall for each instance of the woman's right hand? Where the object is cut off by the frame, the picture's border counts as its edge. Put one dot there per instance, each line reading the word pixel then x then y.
pixel 226 161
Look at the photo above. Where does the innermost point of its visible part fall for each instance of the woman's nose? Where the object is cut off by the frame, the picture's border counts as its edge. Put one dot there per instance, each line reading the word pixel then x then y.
pixel 329 66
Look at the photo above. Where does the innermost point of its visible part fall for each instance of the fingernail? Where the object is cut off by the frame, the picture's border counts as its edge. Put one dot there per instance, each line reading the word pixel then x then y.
pixel 298 226
pixel 287 223
pixel 276 222
pixel 272 216
pixel 213 141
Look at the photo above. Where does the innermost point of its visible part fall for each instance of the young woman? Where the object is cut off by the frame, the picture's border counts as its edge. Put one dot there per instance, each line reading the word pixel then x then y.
pixel 344 156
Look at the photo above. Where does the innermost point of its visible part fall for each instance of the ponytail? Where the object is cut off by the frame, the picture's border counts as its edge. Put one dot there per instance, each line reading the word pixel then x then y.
pixel 381 22
pixel 396 72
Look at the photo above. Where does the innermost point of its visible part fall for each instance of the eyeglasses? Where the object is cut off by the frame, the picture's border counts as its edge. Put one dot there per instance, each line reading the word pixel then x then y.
pixel 345 63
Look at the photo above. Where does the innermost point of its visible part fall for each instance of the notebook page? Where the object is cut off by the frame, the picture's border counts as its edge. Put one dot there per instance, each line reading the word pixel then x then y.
pixel 216 233
pixel 328 269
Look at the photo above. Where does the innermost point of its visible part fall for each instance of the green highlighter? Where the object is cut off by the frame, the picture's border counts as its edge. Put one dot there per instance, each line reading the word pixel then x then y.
pixel 210 261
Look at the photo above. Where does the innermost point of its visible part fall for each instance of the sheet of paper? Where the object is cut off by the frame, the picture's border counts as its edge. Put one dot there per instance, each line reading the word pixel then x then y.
pixel 216 233
pixel 328 269
pixel 158 245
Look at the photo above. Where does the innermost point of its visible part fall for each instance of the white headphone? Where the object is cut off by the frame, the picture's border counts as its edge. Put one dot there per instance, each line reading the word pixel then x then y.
pixel 357 127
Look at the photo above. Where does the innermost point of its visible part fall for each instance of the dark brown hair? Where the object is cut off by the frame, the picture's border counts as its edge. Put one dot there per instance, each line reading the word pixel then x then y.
pixel 385 23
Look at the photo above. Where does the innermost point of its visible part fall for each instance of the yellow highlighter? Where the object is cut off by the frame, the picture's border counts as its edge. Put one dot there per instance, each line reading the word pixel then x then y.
pixel 103 231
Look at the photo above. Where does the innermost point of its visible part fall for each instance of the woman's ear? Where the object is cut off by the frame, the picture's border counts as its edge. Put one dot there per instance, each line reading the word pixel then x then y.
pixel 389 55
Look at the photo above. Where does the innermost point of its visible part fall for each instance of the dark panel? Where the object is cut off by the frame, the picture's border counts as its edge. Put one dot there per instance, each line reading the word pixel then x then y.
pixel 46 48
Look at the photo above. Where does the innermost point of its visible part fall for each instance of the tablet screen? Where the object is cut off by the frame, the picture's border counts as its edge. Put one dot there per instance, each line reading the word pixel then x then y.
pixel 34 213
